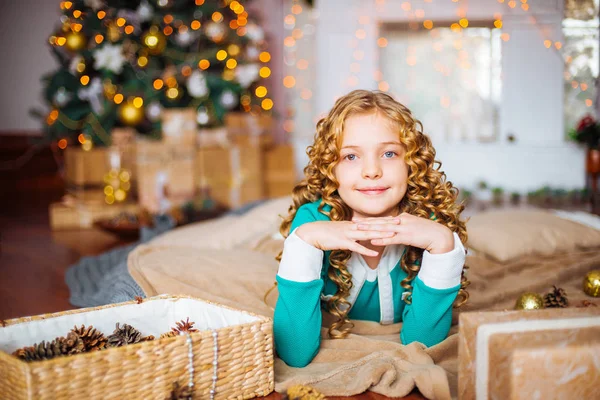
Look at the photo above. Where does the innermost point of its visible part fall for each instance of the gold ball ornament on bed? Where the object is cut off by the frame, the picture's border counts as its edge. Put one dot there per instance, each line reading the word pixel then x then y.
pixel 591 283
pixel 529 301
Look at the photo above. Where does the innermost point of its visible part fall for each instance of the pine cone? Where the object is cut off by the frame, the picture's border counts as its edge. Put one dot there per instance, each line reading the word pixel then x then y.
pixel 37 352
pixel 184 326
pixel 92 338
pixel 72 344
pixel 60 346
pixel 168 334
pixel 123 336
pixel 556 299
pixel 180 392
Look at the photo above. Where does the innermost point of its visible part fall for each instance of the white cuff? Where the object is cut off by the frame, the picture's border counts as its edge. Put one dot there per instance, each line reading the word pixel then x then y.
pixel 442 271
pixel 300 262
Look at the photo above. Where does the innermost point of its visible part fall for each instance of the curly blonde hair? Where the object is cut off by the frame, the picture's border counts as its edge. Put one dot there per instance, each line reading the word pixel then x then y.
pixel 428 193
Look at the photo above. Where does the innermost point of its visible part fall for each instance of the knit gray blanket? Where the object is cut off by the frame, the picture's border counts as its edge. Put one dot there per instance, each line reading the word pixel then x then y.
pixel 104 279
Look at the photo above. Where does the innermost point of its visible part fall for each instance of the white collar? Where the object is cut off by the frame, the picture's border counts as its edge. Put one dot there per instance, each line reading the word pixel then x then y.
pixel 361 272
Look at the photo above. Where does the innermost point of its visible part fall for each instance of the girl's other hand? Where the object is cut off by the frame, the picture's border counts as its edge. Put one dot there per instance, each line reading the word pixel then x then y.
pixel 340 235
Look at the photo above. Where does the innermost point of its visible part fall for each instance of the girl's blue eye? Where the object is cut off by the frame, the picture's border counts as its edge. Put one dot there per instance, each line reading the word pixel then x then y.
pixel 389 154
pixel 350 157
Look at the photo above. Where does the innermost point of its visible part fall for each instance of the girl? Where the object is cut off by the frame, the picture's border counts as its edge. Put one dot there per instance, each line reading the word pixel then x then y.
pixel 374 232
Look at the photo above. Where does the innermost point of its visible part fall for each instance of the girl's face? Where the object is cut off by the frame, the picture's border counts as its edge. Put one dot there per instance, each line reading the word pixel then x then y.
pixel 371 172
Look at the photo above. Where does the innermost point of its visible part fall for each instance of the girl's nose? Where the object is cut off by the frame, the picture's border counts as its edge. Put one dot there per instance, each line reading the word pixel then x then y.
pixel 371 169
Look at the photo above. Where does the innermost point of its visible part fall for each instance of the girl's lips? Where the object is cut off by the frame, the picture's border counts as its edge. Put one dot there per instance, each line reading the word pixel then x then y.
pixel 372 191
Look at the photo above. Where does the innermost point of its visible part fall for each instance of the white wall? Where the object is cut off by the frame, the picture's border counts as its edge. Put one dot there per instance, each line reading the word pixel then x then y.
pixel 532 92
pixel 24 29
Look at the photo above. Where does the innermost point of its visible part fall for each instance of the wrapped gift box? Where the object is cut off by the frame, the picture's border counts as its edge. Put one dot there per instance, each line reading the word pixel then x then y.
pixel 246 129
pixel 71 214
pixel 89 196
pixel 543 354
pixel 231 355
pixel 179 126
pixel 86 169
pixel 165 175
pixel 232 174
pixel 280 172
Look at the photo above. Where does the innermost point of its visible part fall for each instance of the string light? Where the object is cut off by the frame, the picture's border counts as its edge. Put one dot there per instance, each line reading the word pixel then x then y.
pixel 204 64
pixel 264 57
pixel 289 81
pixel 265 72
pixel 302 64
pixel 260 91
pixel 382 42
pixel 267 104
pixel 221 55
pixel 231 63
pixel 217 16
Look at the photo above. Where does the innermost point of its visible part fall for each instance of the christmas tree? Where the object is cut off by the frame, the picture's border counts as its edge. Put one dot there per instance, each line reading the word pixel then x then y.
pixel 122 62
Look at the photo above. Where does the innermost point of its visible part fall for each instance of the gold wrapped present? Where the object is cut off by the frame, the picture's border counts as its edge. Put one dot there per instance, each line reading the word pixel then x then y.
pixel 165 175
pixel 231 175
pixel 545 354
pixel 280 172
pixel 73 214
pixel 86 169
pixel 179 126
pixel 247 129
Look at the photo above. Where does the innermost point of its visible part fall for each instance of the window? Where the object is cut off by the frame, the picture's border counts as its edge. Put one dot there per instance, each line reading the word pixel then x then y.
pixel 449 78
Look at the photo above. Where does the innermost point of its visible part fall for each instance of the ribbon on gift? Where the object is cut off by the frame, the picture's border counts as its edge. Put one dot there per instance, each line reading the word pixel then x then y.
pixel 213 138
pixel 233 183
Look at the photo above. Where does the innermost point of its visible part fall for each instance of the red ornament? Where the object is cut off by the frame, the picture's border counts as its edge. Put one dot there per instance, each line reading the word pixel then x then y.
pixel 586 121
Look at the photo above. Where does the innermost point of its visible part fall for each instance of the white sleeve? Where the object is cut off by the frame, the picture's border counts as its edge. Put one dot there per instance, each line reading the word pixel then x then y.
pixel 443 271
pixel 300 262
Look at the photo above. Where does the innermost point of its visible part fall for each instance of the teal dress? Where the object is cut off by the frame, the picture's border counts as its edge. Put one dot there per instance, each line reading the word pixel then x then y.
pixel 297 317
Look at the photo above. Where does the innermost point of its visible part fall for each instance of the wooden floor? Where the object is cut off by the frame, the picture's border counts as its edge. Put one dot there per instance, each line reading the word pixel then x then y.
pixel 33 259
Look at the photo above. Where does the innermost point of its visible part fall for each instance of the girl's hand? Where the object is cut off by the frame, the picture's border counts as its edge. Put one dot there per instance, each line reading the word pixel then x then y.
pixel 409 230
pixel 340 235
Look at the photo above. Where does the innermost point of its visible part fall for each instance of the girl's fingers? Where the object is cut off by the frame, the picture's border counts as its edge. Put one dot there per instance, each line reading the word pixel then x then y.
pixel 368 235
pixel 379 227
pixel 386 241
pixel 357 248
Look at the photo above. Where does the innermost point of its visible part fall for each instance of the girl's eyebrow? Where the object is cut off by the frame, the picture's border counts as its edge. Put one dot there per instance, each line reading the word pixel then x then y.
pixel 382 143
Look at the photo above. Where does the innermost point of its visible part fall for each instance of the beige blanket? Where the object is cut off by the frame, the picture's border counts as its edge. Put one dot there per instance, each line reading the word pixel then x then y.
pixel 195 261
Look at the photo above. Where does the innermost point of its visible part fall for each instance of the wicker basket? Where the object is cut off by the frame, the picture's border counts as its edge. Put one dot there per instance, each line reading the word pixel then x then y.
pixel 146 370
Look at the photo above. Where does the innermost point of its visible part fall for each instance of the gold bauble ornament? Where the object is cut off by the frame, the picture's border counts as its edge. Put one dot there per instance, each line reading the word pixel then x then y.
pixel 129 114
pixel 529 301
pixel 591 283
pixel 154 41
pixel 75 41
